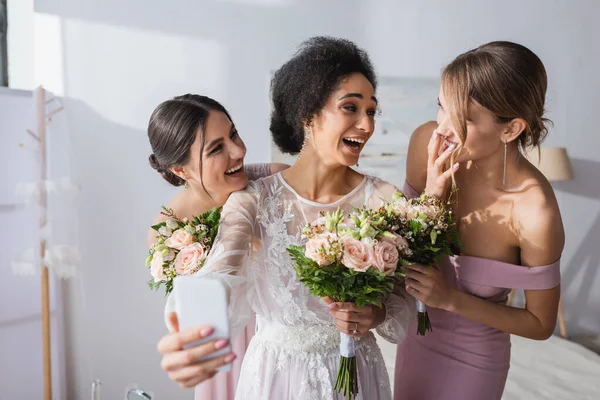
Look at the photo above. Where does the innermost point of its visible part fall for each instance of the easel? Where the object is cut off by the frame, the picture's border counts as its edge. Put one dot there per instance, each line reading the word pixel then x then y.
pixel 40 136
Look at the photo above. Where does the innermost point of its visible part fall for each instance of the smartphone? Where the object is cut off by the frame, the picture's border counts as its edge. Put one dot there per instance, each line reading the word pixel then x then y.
pixel 203 301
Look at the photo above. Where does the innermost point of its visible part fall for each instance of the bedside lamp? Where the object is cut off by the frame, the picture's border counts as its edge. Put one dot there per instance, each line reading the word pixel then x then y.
pixel 553 162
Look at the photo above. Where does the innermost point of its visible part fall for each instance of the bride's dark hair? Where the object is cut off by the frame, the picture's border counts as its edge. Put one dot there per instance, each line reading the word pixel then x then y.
pixel 301 87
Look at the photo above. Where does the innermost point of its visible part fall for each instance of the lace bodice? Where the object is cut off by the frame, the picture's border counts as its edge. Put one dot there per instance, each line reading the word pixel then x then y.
pixel 257 226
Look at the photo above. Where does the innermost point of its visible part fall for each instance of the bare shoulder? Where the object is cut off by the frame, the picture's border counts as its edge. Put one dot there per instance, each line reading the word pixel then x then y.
pixel 416 159
pixel 278 167
pixel 176 204
pixel 538 221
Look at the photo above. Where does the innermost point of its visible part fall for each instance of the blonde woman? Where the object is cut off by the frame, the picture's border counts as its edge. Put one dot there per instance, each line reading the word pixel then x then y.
pixel 491 109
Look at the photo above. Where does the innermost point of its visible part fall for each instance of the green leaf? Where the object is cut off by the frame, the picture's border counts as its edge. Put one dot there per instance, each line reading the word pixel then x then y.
pixel 159 225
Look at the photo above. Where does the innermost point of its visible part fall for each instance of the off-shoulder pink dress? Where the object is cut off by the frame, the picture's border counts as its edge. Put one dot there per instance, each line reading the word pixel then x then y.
pixel 463 359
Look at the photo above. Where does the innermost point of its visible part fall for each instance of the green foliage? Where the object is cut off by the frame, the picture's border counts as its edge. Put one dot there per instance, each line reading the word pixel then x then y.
pixel 340 283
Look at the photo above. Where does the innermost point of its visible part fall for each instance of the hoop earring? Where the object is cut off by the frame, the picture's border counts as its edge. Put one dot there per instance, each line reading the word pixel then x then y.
pixel 504 171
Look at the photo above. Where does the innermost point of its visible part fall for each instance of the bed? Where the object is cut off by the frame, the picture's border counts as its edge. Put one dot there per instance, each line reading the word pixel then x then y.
pixel 554 369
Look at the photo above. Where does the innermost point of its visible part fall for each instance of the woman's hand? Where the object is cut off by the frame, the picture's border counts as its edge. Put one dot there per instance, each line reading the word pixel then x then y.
pixel 181 365
pixel 438 179
pixel 353 320
pixel 427 284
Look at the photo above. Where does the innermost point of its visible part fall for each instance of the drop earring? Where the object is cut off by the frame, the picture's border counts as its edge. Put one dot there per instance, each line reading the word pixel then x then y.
pixel 504 170
pixel 306 136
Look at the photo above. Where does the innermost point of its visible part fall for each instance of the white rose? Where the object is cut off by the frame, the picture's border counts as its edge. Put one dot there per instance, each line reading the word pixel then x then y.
pixel 172 224
pixel 165 231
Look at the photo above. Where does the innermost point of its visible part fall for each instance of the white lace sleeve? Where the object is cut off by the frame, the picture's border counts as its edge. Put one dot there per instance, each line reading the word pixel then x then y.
pixel 228 257
pixel 400 314
pixel 400 306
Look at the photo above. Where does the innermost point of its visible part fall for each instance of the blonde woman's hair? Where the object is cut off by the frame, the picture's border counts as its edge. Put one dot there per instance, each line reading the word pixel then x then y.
pixel 506 78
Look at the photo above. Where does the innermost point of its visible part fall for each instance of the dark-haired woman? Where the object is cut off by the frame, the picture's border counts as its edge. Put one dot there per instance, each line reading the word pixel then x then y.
pixel 196 144
pixel 324 108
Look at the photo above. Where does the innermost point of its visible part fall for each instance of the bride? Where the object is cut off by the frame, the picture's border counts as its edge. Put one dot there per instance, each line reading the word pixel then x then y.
pixel 324 107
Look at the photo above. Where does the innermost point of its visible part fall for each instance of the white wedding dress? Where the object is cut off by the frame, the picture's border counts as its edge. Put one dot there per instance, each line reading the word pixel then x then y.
pixel 295 352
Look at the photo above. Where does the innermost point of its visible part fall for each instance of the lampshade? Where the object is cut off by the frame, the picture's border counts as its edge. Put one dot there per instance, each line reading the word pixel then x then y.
pixel 553 162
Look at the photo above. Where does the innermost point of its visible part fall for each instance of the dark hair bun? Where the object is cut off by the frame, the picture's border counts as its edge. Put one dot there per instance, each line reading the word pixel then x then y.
pixel 287 139
pixel 166 174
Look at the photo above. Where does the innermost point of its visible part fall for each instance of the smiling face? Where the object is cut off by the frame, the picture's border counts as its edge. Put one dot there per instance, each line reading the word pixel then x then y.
pixel 221 169
pixel 484 134
pixel 346 122
pixel 491 95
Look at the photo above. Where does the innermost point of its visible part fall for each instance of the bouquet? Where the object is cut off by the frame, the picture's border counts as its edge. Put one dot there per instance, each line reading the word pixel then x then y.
pixel 430 229
pixel 181 246
pixel 349 259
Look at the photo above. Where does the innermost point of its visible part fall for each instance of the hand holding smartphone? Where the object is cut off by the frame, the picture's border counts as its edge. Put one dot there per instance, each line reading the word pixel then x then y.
pixel 203 301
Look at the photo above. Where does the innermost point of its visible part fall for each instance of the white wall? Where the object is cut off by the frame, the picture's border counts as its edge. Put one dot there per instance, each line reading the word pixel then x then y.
pixel 114 61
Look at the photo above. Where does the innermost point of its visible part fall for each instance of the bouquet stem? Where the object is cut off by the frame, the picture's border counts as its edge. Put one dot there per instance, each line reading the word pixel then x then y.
pixel 424 324
pixel 346 382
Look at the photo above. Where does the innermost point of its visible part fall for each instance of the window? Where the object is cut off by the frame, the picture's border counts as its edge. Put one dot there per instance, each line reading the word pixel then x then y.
pixel 3 46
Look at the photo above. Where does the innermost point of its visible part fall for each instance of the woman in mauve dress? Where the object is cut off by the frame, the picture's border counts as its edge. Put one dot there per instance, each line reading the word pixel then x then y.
pixel 491 110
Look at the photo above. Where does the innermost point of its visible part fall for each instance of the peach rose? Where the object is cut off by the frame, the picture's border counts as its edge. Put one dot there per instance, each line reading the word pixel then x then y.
pixel 180 239
pixel 319 249
pixel 397 241
pixel 189 259
pixel 358 255
pixel 385 257
pixel 156 267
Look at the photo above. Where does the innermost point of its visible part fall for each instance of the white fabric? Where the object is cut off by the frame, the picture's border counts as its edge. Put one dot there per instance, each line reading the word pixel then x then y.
pixel 295 352
pixel 59 229
pixel 554 369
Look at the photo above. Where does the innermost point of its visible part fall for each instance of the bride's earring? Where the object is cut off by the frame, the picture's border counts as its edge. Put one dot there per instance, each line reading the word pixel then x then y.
pixel 504 171
pixel 306 137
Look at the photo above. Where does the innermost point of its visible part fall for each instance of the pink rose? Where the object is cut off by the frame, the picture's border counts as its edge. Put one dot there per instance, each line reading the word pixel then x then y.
pixel 385 257
pixel 189 259
pixel 358 255
pixel 319 249
pixel 156 267
pixel 180 239
pixel 399 209
pixel 429 211
pixel 397 241
pixel 401 206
